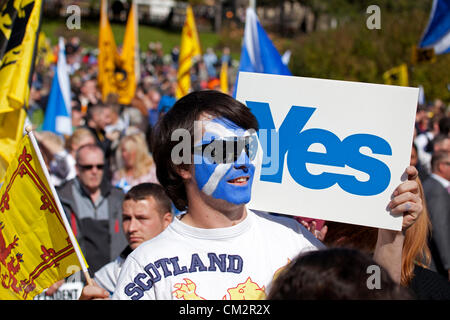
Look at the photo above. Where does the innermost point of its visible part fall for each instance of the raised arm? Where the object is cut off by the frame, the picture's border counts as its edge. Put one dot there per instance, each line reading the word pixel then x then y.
pixel 407 202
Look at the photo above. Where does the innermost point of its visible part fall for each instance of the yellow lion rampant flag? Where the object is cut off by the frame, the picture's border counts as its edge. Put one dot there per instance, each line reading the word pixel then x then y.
pixel 127 76
pixel 190 47
pixel 35 248
pixel 397 76
pixel 108 57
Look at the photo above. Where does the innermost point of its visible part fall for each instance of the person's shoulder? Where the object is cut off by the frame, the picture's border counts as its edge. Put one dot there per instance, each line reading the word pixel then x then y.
pixel 429 182
pixel 65 190
pixel 106 269
pixel 160 244
pixel 117 192
pixel 286 226
pixel 428 284
pixel 276 220
pixel 434 186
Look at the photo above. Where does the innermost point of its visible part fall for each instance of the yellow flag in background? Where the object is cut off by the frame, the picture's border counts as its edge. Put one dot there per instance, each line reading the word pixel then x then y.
pixel 397 76
pixel 128 74
pixel 45 50
pixel 224 77
pixel 35 249
pixel 19 27
pixel 108 56
pixel 190 47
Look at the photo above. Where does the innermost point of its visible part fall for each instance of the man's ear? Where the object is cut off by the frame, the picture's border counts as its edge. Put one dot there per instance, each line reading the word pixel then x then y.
pixel 167 219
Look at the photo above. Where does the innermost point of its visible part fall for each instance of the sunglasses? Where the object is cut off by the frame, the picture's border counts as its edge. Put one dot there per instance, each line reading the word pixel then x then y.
pixel 228 150
pixel 85 167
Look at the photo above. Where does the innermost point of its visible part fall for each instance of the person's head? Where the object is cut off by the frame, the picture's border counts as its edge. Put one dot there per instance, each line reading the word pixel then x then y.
pixel 441 143
pixel 220 116
pixel 89 87
pixel 440 164
pixel 415 247
pixel 100 115
pixel 444 126
pixel 80 137
pixel 77 114
pixel 335 274
pixel 90 162
pixel 146 212
pixel 134 154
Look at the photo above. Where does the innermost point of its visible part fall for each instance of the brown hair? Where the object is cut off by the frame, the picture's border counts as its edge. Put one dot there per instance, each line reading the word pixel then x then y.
pixel 415 246
pixel 143 191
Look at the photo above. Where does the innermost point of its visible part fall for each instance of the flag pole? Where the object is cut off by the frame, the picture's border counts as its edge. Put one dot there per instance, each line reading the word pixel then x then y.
pixel 74 241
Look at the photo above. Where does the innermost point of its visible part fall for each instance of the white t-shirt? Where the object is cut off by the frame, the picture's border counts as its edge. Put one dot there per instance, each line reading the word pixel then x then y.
pixel 237 262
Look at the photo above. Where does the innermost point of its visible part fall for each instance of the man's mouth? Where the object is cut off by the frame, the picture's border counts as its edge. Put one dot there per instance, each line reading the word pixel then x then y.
pixel 239 181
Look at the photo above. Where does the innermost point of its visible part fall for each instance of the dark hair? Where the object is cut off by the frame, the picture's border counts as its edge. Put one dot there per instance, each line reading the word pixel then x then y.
pixel 182 116
pixel 444 125
pixel 437 158
pixel 333 274
pixel 145 190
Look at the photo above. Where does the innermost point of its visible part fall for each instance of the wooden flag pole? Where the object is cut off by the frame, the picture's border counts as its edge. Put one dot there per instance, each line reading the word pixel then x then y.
pixel 60 208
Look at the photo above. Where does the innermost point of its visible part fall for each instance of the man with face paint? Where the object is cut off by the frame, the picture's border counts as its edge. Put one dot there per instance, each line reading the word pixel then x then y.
pixel 219 249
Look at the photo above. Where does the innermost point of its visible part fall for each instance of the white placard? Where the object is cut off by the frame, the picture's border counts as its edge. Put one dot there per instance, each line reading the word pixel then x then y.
pixel 67 291
pixel 343 146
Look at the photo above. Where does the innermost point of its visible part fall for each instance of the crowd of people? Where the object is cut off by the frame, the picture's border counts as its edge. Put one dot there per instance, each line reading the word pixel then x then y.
pixel 120 189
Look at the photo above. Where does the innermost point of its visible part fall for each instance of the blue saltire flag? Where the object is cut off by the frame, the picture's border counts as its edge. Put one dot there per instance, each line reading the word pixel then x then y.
pixel 58 117
pixel 258 53
pixel 437 33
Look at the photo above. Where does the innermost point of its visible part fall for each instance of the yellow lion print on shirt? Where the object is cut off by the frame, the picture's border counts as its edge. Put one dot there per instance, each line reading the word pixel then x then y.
pixel 247 290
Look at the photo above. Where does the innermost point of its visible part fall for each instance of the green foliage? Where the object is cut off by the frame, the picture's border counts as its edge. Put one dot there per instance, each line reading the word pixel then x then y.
pixel 88 34
pixel 355 53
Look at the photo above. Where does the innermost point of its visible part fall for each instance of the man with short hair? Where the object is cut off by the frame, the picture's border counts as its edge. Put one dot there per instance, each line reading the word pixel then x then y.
pixel 93 209
pixel 219 249
pixel 436 189
pixel 146 212
pixel 99 116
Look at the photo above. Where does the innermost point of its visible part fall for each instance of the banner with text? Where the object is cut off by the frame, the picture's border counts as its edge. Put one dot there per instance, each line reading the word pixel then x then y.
pixel 331 150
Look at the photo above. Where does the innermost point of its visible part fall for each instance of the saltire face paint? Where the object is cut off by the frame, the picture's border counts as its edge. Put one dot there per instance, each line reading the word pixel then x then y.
pixel 223 160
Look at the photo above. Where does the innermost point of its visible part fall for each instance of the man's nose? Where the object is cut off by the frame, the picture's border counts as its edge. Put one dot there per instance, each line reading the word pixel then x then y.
pixel 133 225
pixel 242 162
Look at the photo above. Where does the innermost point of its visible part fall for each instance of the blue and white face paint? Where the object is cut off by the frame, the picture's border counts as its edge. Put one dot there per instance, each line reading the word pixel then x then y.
pixel 223 160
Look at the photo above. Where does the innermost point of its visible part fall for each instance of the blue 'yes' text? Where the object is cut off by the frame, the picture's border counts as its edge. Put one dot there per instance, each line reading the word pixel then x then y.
pixel 290 137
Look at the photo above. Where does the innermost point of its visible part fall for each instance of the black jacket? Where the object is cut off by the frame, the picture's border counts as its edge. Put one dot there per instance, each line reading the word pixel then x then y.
pixel 101 241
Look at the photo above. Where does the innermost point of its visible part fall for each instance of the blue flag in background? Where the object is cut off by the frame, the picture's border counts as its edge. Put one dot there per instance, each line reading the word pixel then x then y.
pixel 437 33
pixel 258 53
pixel 58 117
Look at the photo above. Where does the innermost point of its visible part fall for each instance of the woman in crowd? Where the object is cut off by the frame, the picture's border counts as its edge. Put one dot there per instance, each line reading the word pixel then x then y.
pixel 415 275
pixel 134 163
